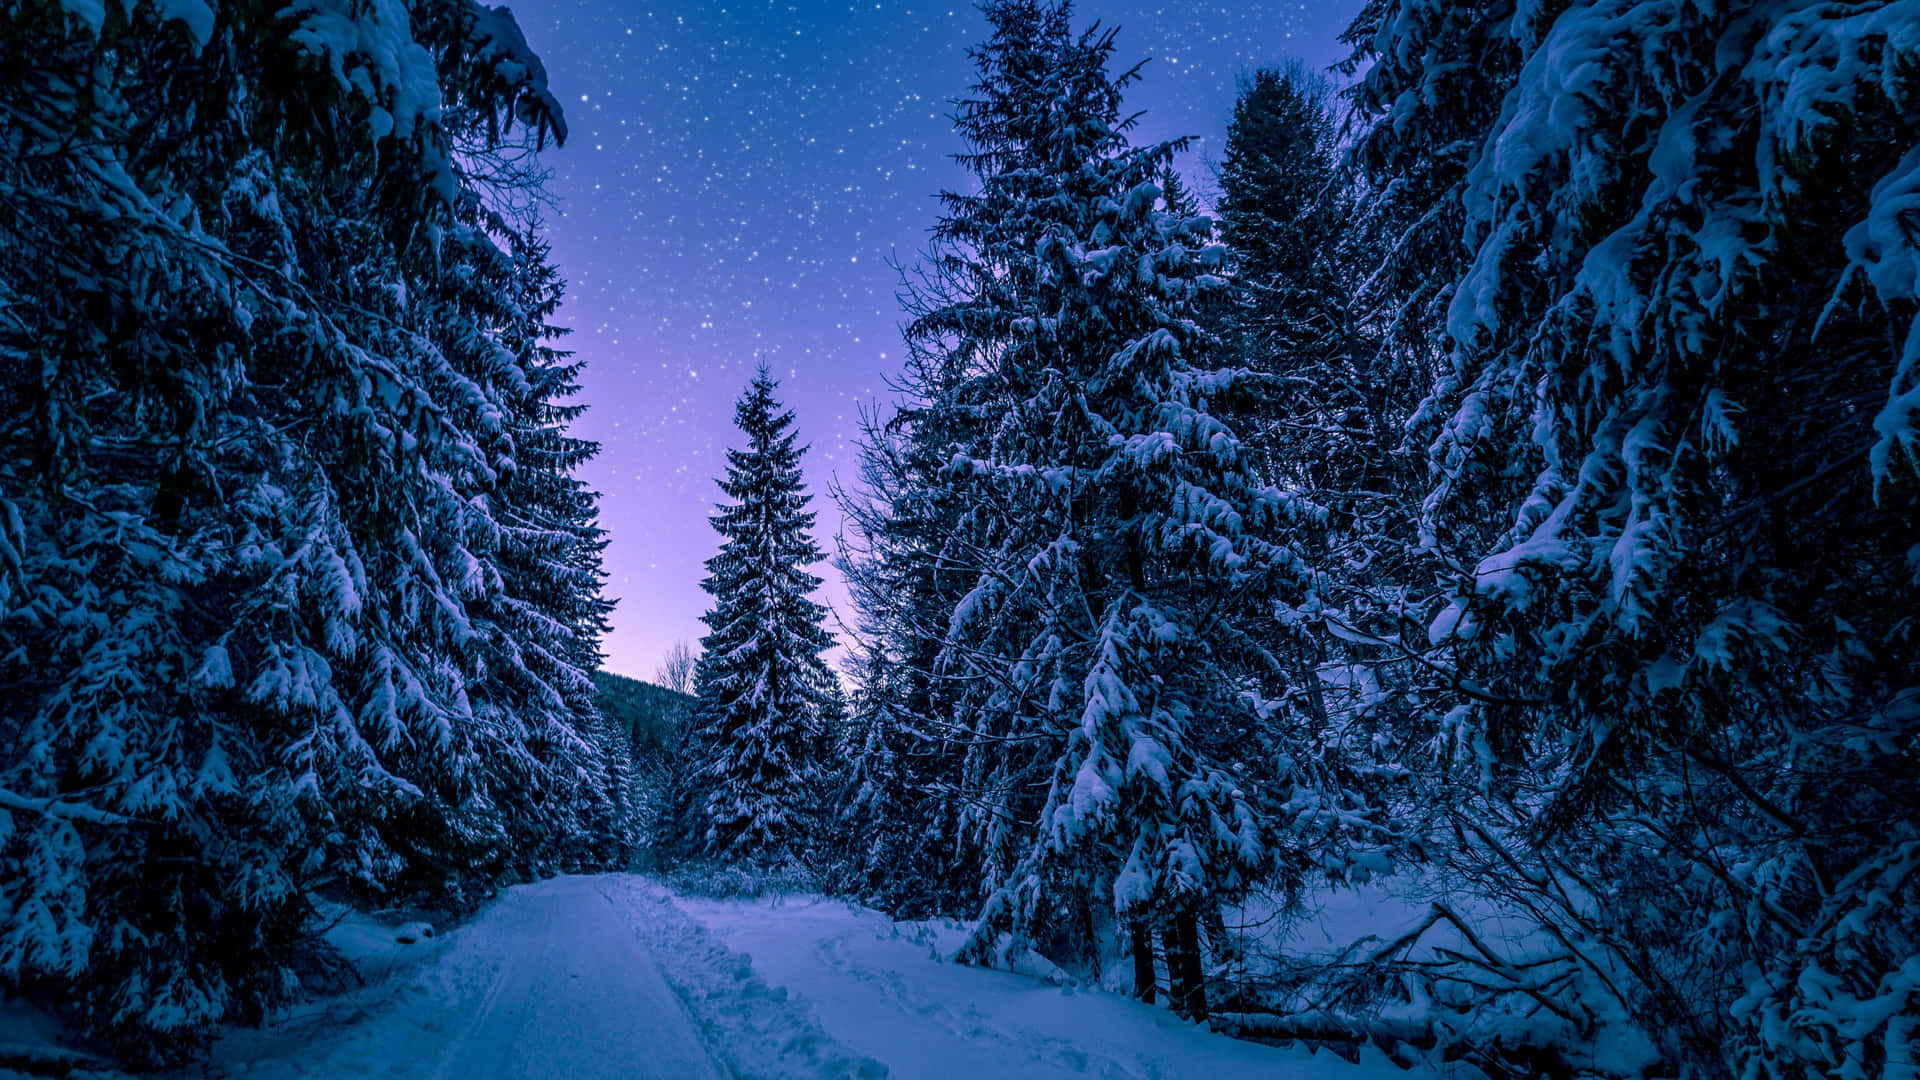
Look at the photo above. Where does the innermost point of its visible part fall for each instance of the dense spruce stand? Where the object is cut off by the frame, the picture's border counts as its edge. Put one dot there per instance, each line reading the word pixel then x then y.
pixel 297 591
pixel 1665 258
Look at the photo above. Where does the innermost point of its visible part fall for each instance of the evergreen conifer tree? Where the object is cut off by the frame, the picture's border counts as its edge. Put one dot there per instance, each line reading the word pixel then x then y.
pixel 1332 429
pixel 1665 252
pixel 1114 558
pixel 887 817
pixel 265 622
pixel 900 518
pixel 766 696
pixel 549 545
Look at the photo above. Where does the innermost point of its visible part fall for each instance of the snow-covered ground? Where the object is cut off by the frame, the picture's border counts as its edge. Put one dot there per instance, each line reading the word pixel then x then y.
pixel 583 978
pixel 574 978
pixel 886 990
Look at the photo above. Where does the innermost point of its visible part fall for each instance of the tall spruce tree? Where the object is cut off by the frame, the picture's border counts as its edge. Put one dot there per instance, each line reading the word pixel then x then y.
pixel 1284 201
pixel 1333 428
pixel 899 517
pixel 550 548
pixel 875 808
pixel 894 827
pixel 1114 558
pixel 1666 252
pixel 261 628
pixel 1288 212
pixel 766 696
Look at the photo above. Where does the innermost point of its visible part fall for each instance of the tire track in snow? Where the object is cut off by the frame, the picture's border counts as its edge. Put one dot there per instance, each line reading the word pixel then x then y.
pixel 550 980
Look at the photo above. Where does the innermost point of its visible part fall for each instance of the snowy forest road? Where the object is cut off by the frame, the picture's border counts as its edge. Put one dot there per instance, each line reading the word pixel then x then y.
pixel 592 978
pixel 577 996
pixel 559 978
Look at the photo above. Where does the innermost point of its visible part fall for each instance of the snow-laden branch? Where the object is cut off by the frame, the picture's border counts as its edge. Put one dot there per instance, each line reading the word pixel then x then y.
pixel 61 808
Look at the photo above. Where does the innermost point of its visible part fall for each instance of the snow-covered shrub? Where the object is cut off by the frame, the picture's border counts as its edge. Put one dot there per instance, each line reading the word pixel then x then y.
pixel 743 880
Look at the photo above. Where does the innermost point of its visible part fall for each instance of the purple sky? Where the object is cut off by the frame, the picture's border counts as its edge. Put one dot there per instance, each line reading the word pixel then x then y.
pixel 738 176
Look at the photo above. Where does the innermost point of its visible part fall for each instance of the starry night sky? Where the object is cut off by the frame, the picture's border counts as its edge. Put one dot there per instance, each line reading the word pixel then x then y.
pixel 738 176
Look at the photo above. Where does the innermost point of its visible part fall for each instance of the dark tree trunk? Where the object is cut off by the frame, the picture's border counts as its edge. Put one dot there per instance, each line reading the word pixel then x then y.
pixel 1095 934
pixel 1143 977
pixel 1185 978
pixel 1218 942
pixel 1176 971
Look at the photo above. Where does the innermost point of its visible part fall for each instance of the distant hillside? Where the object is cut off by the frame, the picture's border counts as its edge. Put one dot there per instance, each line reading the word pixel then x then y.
pixel 654 715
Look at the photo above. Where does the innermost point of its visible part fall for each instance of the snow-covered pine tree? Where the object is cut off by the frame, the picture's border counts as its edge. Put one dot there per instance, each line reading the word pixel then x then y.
pixel 1175 198
pixel 886 821
pixel 1674 480
pixel 1332 428
pixel 872 809
pixel 1288 213
pixel 550 546
pixel 1104 664
pixel 765 692
pixel 1281 189
pixel 256 402
pixel 898 519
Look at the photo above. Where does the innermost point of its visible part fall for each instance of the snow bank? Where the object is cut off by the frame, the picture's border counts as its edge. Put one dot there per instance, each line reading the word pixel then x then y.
pixel 759 1030
pixel 397 1001
pixel 34 1044
pixel 889 990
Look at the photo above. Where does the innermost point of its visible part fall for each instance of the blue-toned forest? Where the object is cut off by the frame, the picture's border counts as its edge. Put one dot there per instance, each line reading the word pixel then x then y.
pixel 1431 586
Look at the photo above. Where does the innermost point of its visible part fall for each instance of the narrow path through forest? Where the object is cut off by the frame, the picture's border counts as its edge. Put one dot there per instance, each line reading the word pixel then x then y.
pixel 593 978
pixel 577 996
pixel 551 979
